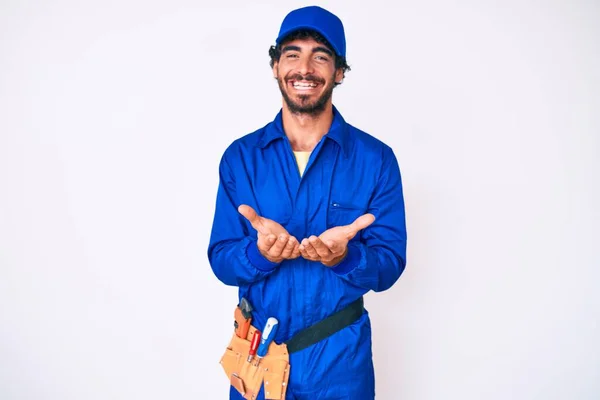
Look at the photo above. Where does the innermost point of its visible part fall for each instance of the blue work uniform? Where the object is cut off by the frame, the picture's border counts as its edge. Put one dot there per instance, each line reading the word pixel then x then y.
pixel 349 173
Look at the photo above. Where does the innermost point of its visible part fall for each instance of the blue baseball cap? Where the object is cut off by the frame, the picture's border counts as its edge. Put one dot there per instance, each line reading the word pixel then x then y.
pixel 317 19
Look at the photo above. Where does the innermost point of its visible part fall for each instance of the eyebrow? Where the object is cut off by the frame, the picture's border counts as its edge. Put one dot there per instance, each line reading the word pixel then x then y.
pixel 290 48
pixel 314 50
pixel 322 50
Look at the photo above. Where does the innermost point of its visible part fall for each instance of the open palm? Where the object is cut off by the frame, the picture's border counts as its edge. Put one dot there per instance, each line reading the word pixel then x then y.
pixel 274 241
pixel 331 246
pixel 337 238
pixel 264 226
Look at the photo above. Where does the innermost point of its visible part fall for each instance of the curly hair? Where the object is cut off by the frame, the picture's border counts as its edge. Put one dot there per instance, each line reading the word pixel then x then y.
pixel 275 51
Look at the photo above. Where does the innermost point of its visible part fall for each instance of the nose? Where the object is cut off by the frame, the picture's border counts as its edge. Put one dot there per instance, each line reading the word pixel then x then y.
pixel 305 66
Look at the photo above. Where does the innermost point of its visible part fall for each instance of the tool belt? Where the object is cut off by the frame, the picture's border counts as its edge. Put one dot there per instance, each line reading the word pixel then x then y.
pixel 274 368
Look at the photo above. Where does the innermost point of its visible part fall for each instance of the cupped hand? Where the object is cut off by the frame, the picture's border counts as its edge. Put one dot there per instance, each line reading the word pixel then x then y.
pixel 274 241
pixel 331 246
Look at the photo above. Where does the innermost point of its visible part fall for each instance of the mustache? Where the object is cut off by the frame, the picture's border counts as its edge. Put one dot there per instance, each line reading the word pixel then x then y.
pixel 308 78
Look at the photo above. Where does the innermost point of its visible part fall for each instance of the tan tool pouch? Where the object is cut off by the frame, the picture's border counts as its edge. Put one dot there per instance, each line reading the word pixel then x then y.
pixel 247 377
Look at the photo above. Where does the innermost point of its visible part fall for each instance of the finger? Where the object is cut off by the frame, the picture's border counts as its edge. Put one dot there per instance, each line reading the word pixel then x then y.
pixel 335 247
pixel 330 262
pixel 359 224
pixel 278 246
pixel 296 253
pixel 302 248
pixel 322 250
pixel 289 247
pixel 307 256
pixel 309 249
pixel 265 242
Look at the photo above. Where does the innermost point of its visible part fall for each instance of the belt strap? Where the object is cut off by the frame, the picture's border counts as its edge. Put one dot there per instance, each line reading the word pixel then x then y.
pixel 327 327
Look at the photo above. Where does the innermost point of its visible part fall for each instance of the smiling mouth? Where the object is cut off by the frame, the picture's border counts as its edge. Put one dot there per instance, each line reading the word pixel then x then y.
pixel 304 86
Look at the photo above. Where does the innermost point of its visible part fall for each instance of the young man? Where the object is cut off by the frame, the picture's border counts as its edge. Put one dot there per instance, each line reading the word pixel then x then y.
pixel 310 217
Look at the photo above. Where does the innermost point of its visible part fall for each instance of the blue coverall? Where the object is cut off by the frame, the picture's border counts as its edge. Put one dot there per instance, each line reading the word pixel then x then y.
pixel 349 173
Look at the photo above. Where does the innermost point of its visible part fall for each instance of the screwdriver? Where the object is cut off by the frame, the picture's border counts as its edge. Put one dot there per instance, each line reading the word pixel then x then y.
pixel 267 337
pixel 254 345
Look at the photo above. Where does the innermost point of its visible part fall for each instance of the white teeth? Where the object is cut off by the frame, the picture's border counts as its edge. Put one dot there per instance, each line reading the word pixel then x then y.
pixel 302 85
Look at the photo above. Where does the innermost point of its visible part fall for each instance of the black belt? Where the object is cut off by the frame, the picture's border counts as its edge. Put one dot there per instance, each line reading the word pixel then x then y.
pixel 327 327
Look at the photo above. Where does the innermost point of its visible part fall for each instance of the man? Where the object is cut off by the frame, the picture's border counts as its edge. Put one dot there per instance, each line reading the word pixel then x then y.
pixel 310 217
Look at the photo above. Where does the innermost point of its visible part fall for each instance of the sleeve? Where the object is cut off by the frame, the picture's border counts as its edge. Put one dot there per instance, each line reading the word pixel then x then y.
pixel 233 255
pixel 378 259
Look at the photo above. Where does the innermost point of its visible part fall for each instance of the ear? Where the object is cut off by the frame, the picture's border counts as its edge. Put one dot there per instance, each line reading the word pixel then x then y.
pixel 275 69
pixel 339 75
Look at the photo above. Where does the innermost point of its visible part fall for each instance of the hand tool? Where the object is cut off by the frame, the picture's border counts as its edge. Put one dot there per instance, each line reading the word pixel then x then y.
pixel 243 318
pixel 267 337
pixel 254 345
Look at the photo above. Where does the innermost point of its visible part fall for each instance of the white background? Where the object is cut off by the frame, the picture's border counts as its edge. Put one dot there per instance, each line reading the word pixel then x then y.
pixel 113 118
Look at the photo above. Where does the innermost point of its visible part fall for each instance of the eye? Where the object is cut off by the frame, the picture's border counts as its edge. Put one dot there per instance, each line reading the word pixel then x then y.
pixel 291 55
pixel 322 58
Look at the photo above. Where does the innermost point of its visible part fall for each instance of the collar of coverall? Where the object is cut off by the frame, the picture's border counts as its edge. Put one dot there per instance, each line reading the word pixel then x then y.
pixel 338 132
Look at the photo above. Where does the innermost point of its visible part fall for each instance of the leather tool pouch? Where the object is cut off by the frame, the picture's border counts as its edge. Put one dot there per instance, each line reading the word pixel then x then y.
pixel 247 377
pixel 274 368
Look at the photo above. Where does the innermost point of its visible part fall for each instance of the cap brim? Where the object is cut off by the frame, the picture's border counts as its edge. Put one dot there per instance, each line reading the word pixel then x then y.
pixel 284 34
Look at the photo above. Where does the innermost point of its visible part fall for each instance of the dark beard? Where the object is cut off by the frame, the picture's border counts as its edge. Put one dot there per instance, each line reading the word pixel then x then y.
pixel 313 109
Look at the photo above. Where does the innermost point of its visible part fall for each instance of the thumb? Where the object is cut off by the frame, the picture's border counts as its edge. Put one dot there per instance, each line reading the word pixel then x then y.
pixel 361 223
pixel 249 213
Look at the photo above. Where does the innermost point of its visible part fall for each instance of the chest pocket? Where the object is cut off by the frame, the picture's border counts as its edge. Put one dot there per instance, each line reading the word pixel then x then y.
pixel 344 213
pixel 273 203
